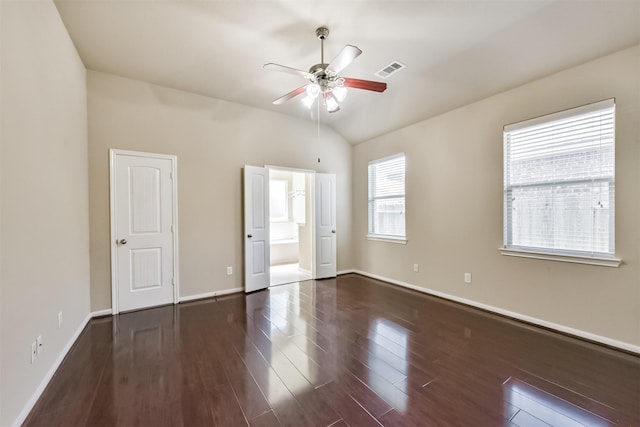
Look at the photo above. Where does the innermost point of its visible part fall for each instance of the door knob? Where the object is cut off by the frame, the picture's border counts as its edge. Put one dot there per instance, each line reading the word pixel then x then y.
pixel 123 241
pixel 249 235
pixel 333 231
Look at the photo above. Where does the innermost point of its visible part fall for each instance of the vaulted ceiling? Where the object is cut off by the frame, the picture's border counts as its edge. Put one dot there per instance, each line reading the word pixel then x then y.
pixel 455 52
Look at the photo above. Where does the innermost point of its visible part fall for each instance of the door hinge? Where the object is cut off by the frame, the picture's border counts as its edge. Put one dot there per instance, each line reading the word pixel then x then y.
pixel 173 281
pixel 172 228
pixel 171 175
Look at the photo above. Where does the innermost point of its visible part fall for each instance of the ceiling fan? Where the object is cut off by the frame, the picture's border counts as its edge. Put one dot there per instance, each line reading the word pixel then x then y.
pixel 324 82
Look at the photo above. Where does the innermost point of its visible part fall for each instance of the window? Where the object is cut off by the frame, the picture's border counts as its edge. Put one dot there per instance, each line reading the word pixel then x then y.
pixel 559 181
pixel 278 200
pixel 386 198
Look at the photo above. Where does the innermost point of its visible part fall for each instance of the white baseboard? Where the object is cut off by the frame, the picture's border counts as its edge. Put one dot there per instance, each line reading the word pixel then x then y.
pixel 565 329
pixel 210 294
pixel 54 367
pixel 99 313
pixel 304 270
pixel 56 364
pixel 550 325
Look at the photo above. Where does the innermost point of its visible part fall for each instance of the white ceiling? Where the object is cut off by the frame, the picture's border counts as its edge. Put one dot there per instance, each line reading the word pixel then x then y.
pixel 456 51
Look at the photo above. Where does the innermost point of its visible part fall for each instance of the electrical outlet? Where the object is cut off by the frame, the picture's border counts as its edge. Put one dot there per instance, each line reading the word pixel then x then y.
pixel 59 320
pixel 39 345
pixel 467 277
pixel 415 267
pixel 34 352
pixel 229 271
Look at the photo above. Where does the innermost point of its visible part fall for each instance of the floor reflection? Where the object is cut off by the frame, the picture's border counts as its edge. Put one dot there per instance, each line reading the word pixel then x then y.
pixel 341 351
pixel 388 374
pixel 531 405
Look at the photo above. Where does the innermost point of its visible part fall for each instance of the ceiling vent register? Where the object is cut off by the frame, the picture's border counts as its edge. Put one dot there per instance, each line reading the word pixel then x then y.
pixel 390 69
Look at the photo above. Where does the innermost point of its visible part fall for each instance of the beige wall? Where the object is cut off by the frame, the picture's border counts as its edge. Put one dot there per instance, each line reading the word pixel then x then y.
pixel 44 197
pixel 454 206
pixel 212 139
pixel 454 193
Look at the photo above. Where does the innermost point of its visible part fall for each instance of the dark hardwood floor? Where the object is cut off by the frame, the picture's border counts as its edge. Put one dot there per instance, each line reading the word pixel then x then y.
pixel 349 351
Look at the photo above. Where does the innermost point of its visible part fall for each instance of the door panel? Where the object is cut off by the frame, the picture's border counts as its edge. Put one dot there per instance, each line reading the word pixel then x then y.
pixel 259 255
pixel 258 211
pixel 326 246
pixel 146 268
pixel 144 250
pixel 144 202
pixel 326 231
pixel 256 226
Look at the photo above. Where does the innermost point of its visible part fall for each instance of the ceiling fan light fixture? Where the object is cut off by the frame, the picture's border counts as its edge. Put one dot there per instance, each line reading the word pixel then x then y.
pixel 307 101
pixel 313 90
pixel 340 92
pixel 331 102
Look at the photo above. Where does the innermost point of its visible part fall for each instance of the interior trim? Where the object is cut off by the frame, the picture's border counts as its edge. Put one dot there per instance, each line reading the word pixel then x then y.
pixel 102 313
pixel 113 154
pixel 628 347
pixel 26 410
pixel 343 272
pixel 576 259
pixel 210 294
pixel 379 238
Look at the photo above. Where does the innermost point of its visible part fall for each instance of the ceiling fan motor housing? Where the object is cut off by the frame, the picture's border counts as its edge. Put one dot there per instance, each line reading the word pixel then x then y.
pixel 322 78
pixel 322 33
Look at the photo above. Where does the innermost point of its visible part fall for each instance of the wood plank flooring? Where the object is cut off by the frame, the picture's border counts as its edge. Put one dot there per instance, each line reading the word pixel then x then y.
pixel 350 351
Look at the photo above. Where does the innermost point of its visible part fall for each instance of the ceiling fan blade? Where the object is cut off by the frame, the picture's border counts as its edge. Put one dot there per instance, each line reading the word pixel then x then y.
pixel 344 58
pixel 288 70
pixel 365 84
pixel 290 95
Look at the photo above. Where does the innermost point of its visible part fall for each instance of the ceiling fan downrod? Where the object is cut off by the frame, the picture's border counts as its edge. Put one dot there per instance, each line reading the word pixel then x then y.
pixel 322 33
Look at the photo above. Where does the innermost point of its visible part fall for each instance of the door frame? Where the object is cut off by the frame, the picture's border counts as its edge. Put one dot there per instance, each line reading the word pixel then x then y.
pixel 113 153
pixel 312 174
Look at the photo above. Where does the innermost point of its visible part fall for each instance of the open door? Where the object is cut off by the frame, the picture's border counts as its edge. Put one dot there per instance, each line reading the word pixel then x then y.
pixel 256 228
pixel 326 264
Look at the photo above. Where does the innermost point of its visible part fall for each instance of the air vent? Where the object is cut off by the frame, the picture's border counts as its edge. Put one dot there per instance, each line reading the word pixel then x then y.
pixel 390 69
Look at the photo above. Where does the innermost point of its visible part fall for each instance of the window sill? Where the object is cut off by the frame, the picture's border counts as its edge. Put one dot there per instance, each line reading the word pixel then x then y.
pixel 399 240
pixel 550 256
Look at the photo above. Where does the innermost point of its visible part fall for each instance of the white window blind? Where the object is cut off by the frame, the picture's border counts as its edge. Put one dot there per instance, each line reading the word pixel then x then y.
pixel 386 197
pixel 559 181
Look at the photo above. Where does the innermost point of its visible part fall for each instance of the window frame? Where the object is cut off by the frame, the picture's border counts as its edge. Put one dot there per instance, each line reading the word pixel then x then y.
pixel 386 237
pixel 573 256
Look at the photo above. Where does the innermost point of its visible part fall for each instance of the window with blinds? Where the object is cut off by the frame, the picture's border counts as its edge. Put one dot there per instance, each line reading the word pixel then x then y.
pixel 386 197
pixel 559 181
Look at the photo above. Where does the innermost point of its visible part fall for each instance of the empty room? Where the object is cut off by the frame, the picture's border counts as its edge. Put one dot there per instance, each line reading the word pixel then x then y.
pixel 304 213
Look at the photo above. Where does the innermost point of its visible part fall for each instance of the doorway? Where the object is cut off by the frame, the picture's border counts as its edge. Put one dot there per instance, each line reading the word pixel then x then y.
pixel 291 226
pixel 319 222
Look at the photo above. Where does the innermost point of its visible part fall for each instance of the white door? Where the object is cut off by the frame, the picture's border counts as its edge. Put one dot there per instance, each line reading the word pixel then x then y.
pixel 256 228
pixel 325 225
pixel 143 241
